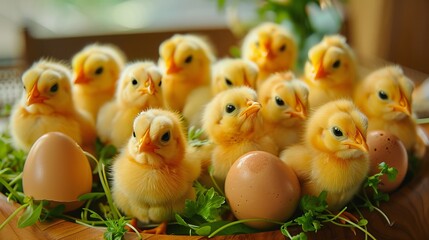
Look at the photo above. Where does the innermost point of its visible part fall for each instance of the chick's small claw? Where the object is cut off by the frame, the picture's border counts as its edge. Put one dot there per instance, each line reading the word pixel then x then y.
pixel 161 229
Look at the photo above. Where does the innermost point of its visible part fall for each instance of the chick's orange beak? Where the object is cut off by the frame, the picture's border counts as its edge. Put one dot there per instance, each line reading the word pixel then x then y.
pixel 299 110
pixel 252 108
pixel 146 144
pixel 359 142
pixel 171 65
pixel 149 87
pixel 319 71
pixel 81 78
pixel 266 50
pixel 34 96
pixel 402 106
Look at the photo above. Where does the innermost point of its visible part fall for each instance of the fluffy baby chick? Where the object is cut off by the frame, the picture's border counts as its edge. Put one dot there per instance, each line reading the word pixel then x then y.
pixel 334 154
pixel 96 70
pixel 285 101
pixel 385 97
pixel 185 61
pixel 233 124
pixel 151 176
pixel 230 72
pixel 331 70
pixel 271 47
pixel 47 106
pixel 139 88
pixel 226 73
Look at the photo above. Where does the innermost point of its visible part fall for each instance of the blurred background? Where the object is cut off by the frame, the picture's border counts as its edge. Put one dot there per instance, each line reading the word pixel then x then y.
pixel 384 30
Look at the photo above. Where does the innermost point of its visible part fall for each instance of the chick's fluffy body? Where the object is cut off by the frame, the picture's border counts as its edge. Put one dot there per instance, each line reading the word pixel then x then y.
pixel 151 176
pixel 139 89
pixel 233 124
pixel 185 61
pixel 334 155
pixel 96 70
pixel 47 106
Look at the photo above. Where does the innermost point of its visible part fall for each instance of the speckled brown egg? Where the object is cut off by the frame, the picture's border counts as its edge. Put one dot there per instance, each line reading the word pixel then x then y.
pixel 260 185
pixel 57 170
pixel 386 147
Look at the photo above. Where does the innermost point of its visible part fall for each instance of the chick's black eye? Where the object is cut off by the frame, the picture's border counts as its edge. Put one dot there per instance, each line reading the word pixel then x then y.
pixel 279 101
pixel 54 88
pixel 282 48
pixel 337 132
pixel 382 95
pixel 336 64
pixel 134 82
pixel 165 137
pixel 257 44
pixel 228 82
pixel 99 70
pixel 229 108
pixel 160 83
pixel 134 134
pixel 188 59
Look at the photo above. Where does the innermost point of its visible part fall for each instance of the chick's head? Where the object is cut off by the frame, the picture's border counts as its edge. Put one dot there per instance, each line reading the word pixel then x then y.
pixel 158 138
pixel 387 94
pixel 185 54
pixel 284 99
pixel 140 85
pixel 338 128
pixel 228 73
pixel 232 115
pixel 47 85
pixel 271 47
pixel 331 62
pixel 98 66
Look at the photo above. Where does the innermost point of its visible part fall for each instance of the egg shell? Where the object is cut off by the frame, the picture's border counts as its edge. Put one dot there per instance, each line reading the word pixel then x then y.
pixel 260 185
pixel 56 169
pixel 386 147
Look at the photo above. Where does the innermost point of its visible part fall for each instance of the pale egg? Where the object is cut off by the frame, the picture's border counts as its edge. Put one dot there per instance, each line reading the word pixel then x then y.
pixel 260 185
pixel 57 170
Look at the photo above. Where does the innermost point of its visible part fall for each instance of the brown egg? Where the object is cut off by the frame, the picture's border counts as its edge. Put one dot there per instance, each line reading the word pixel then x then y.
pixel 57 170
pixel 386 147
pixel 260 185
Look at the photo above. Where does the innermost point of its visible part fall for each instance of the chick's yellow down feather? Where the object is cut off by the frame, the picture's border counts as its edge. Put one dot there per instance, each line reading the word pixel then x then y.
pixel 96 70
pixel 334 154
pixel 233 123
pixel 151 176
pixel 47 106
pixel 185 62
pixel 226 73
pixel 139 88
pixel 285 103
pixel 385 96
pixel 230 72
pixel 272 47
pixel 331 70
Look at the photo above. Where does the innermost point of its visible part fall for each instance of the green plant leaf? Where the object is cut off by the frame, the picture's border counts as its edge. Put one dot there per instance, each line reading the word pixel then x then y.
pixel 203 231
pixel 30 216
pixel 92 195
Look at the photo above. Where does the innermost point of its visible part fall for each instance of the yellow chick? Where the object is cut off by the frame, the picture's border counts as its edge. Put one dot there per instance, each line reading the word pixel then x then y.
pixel 229 72
pixel 185 62
pixel 47 106
pixel 272 47
pixel 285 102
pixel 233 123
pixel 139 88
pixel 226 73
pixel 334 154
pixel 385 97
pixel 96 70
pixel 331 70
pixel 151 176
